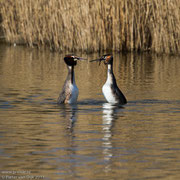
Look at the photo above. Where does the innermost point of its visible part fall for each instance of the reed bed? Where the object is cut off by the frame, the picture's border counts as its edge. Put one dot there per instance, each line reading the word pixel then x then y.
pixel 91 25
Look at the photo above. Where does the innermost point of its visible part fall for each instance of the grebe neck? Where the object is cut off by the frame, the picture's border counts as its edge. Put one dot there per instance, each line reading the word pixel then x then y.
pixel 71 74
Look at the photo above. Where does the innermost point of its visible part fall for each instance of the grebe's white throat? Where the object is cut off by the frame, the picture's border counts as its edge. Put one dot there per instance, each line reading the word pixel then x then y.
pixel 73 89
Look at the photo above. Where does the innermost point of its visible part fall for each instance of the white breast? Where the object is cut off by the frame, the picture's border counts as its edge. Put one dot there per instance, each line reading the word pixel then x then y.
pixel 74 94
pixel 107 92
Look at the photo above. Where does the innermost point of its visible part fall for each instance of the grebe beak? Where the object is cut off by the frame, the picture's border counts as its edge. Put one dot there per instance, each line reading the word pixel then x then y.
pixel 80 59
pixel 98 60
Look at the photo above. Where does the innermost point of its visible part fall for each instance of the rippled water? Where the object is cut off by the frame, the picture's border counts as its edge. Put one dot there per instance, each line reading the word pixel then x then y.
pixel 92 139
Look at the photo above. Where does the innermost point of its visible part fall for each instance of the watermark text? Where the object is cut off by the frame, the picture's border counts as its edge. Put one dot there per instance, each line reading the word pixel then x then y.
pixel 19 175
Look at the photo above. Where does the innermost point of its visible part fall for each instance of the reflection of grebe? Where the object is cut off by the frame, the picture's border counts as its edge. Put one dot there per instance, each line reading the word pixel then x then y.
pixel 70 91
pixel 108 117
pixel 110 89
pixel 72 118
pixel 69 113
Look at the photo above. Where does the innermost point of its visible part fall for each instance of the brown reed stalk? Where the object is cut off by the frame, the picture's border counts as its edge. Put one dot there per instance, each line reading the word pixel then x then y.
pixel 82 25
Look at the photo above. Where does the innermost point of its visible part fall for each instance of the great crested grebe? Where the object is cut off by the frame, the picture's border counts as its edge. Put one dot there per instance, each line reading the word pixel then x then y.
pixel 70 91
pixel 110 89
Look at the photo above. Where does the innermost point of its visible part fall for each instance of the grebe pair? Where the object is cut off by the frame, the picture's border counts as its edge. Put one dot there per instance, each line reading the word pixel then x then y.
pixel 110 89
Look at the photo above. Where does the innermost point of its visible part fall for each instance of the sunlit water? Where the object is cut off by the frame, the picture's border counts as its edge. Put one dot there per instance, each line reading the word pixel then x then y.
pixel 91 139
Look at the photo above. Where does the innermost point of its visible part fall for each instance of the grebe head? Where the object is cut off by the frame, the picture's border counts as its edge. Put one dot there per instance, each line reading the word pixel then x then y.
pixel 107 58
pixel 71 60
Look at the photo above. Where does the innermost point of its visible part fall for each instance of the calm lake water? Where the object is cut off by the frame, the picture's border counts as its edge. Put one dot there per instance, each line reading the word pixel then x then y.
pixel 92 139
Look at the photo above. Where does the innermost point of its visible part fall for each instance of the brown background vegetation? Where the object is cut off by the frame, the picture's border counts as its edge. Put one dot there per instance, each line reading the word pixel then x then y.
pixel 91 25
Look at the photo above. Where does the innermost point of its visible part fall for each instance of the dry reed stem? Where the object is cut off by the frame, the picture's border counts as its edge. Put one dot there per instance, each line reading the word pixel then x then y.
pixel 83 25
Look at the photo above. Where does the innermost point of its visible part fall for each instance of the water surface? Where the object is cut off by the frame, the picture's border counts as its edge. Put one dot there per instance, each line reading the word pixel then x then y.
pixel 91 139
